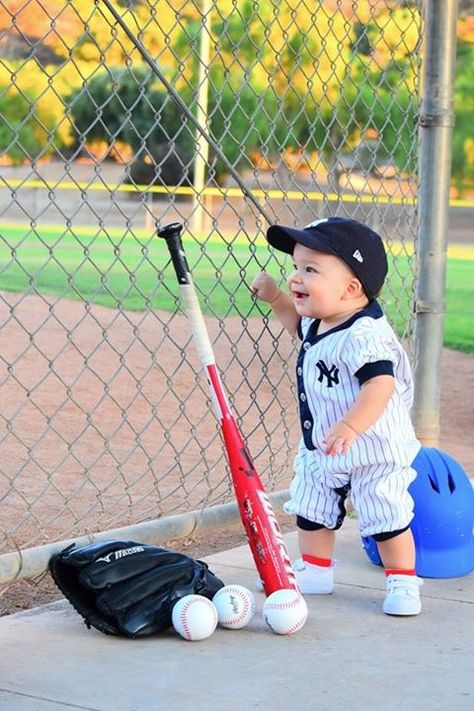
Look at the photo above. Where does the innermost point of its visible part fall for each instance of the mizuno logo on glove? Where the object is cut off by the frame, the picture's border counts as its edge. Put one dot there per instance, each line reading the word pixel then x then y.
pixel 115 555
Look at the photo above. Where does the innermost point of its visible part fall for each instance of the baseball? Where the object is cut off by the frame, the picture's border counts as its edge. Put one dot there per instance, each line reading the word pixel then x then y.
pixel 235 606
pixel 194 617
pixel 285 611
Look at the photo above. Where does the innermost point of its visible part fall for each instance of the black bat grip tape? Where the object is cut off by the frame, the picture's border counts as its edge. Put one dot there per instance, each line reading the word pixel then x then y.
pixel 172 234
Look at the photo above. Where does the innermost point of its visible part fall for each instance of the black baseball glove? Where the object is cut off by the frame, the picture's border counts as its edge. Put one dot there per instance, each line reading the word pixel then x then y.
pixel 128 588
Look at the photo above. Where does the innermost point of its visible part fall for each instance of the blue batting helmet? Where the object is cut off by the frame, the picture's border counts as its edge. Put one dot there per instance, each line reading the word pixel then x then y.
pixel 443 520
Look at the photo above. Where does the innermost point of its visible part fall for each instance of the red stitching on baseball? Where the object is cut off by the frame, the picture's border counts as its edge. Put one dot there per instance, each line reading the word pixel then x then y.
pixel 298 625
pixel 283 605
pixel 243 614
pixel 185 608
pixel 286 606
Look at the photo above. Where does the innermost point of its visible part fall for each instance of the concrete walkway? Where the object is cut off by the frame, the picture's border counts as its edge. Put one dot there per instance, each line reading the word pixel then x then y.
pixel 349 656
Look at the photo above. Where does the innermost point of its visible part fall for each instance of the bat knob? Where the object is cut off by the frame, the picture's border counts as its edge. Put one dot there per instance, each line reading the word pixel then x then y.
pixel 170 231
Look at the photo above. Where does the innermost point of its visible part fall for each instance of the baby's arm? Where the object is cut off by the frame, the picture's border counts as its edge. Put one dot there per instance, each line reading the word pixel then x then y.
pixel 366 410
pixel 265 288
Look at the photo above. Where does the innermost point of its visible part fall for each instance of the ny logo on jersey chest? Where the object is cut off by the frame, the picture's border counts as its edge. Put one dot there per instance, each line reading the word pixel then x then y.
pixel 332 373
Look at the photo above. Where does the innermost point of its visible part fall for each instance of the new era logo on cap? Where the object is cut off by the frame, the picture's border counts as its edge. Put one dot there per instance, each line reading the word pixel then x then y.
pixel 316 222
pixel 357 255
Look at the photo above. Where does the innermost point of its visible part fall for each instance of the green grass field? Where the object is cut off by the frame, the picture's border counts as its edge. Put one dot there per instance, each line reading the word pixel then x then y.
pixel 135 274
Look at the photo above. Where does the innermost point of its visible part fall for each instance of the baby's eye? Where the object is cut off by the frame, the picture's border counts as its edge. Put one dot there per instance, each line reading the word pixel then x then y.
pixel 310 270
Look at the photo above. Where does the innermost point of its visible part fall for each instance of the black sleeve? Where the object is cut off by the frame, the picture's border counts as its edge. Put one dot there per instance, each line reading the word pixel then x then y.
pixel 370 370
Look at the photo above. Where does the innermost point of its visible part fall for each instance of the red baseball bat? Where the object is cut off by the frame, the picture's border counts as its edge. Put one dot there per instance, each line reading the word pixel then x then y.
pixel 259 520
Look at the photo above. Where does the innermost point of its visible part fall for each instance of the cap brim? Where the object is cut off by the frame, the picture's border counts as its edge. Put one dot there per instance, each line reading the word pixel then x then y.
pixel 285 238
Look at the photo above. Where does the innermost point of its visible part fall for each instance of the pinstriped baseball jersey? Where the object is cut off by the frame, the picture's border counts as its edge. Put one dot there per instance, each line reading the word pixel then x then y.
pixel 330 371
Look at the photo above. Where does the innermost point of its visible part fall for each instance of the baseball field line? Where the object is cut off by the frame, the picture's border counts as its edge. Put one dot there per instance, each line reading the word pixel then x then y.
pixel 265 194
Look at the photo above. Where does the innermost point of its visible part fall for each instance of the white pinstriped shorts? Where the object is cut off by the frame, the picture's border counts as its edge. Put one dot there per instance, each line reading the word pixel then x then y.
pixel 379 495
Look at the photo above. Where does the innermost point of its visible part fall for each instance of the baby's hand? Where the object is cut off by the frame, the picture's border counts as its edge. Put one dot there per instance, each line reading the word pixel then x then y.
pixel 264 287
pixel 339 438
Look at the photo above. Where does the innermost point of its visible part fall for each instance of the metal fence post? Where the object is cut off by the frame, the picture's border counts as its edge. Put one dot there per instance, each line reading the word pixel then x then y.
pixel 436 120
pixel 202 146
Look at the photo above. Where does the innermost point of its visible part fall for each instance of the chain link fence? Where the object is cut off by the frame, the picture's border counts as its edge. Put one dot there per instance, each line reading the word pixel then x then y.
pixel 250 112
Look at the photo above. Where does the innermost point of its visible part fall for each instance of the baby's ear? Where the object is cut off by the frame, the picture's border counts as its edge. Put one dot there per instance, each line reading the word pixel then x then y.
pixel 355 288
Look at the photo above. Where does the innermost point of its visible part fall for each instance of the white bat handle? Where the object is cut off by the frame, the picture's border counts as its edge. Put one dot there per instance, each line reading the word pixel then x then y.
pixel 201 338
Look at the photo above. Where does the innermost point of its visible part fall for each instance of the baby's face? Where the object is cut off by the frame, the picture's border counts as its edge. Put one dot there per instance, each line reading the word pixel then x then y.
pixel 319 284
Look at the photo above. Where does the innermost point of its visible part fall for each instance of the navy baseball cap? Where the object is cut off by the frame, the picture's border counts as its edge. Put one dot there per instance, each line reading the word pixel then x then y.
pixel 355 243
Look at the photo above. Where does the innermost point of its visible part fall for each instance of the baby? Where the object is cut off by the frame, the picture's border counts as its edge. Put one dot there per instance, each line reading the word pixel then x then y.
pixel 355 391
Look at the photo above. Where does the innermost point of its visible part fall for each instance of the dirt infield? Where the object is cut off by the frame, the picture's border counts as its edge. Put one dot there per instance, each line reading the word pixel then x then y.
pixel 107 418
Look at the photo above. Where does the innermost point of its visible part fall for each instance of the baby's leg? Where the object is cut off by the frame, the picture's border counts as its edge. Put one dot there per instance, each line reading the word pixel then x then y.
pixel 385 510
pixel 314 571
pixel 316 540
pixel 319 544
pixel 398 553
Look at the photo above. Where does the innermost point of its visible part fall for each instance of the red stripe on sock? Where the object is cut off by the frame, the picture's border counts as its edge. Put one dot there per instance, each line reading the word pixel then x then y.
pixel 314 560
pixel 399 571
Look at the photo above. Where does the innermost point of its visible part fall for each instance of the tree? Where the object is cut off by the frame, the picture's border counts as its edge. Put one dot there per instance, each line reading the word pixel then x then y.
pixel 23 136
pixel 126 104
pixel 376 98
pixel 35 94
pixel 463 134
pixel 83 30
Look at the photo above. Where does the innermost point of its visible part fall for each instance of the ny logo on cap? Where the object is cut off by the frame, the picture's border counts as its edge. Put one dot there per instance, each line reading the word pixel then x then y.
pixel 357 255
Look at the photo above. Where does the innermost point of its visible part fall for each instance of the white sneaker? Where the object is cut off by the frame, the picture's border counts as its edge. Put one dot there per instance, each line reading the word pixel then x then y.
pixel 403 595
pixel 311 579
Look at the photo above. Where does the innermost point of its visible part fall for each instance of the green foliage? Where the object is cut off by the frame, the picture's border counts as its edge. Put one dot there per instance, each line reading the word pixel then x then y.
pixel 248 44
pixel 123 103
pixel 390 110
pixel 259 100
pixel 233 117
pixel 379 101
pixel 236 123
pixel 126 104
pixel 22 135
pixel 463 134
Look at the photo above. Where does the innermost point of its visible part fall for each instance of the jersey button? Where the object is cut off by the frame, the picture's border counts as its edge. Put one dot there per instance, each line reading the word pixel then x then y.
pixel 307 424
pixel 306 345
pixel 302 397
pixel 299 370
